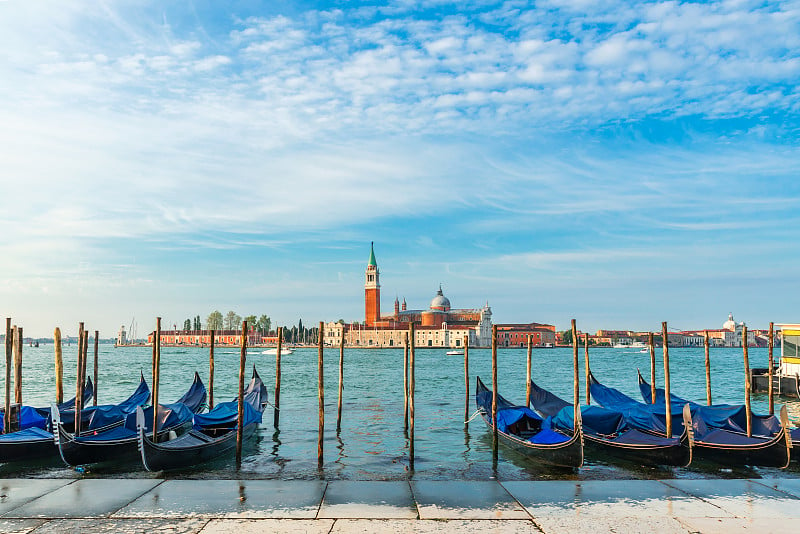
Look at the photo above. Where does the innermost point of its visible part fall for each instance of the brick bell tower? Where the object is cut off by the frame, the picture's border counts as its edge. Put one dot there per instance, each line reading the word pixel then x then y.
pixel 372 290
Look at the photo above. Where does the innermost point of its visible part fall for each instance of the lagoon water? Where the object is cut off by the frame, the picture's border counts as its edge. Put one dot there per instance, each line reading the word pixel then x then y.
pixel 372 444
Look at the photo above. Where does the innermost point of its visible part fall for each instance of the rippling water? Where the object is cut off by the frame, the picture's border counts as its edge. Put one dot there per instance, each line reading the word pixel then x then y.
pixel 372 443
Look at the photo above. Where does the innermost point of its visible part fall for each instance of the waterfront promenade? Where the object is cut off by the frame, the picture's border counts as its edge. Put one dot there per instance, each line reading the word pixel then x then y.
pixel 315 506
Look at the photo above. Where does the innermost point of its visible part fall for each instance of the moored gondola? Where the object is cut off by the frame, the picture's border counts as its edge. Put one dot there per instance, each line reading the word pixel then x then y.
pixel 34 439
pixel 521 429
pixel 119 444
pixel 712 444
pixel 606 431
pixel 213 435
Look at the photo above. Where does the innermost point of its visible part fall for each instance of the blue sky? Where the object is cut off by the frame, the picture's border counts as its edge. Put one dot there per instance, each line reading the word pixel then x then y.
pixel 622 163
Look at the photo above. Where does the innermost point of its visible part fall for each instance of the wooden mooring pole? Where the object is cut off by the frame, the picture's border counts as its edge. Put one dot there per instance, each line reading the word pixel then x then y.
pixel 770 370
pixel 18 365
pixel 156 377
pixel 466 381
pixel 586 364
pixel 276 418
pixel 747 384
pixel 405 384
pixel 652 344
pixel 494 395
pixel 321 397
pixel 411 387
pixel 96 338
pixel 576 394
pixel 211 371
pixel 341 384
pixel 240 403
pixel 667 400
pixel 79 382
pixel 9 343
pixel 59 366
pixel 528 372
pixel 707 347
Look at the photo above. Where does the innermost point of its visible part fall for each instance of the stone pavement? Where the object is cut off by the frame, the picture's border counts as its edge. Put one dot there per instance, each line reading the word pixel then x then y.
pixel 419 506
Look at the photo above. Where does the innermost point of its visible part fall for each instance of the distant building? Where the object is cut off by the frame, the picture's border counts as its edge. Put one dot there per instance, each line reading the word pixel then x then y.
pixel 438 325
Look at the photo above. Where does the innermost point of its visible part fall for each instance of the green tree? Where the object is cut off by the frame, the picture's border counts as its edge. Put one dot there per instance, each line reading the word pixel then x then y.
pixel 197 324
pixel 251 322
pixel 187 325
pixel 264 324
pixel 214 320
pixel 232 320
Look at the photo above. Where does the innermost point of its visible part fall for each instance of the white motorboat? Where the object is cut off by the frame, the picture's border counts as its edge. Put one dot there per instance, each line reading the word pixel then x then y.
pixel 274 352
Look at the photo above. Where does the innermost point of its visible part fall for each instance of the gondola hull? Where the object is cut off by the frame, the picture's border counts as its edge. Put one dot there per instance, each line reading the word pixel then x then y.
pixel 75 452
pixel 33 448
pixel 162 457
pixel 567 454
pixel 679 455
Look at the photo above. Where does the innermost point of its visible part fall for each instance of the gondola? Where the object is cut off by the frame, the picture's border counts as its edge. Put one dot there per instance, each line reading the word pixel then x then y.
pixel 607 432
pixel 35 439
pixel 710 443
pixel 731 417
pixel 526 432
pixel 212 435
pixel 119 444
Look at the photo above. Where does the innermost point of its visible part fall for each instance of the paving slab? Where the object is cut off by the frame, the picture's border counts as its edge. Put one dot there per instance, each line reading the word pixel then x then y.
pixel 465 499
pixel 741 497
pixel 734 525
pixel 425 526
pixel 121 526
pixel 15 492
pixel 259 526
pixel 608 498
pixel 86 498
pixel 19 526
pixel 229 498
pixel 619 525
pixel 786 485
pixel 368 499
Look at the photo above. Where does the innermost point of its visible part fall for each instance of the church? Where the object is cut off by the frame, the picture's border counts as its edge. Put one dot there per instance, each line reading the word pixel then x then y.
pixel 438 325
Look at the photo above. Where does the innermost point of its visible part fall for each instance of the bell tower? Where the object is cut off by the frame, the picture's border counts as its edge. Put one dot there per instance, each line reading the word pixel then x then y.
pixel 372 290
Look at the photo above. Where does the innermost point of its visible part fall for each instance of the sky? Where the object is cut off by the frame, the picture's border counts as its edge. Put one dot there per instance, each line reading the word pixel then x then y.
pixel 620 163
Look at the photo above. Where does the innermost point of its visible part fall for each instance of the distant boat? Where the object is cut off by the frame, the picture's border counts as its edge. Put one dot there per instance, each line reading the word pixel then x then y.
pixel 455 352
pixel 274 352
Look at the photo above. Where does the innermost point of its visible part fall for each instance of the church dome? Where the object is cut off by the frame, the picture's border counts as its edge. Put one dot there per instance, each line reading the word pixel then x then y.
pixel 730 324
pixel 440 302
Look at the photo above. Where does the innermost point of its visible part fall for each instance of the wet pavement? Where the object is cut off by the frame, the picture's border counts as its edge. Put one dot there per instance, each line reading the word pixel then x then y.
pixel 418 506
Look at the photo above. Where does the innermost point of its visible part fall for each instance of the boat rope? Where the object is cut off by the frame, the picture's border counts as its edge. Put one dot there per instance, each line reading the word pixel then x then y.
pixel 473 416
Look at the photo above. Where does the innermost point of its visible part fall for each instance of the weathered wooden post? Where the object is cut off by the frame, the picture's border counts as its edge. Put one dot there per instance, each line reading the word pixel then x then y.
pixel 494 393
pixel 341 384
pixel 153 370
pixel 466 380
pixel 411 387
pixel 405 383
pixel 59 366
pixel 277 416
pixel 211 371
pixel 156 377
pixel 79 382
pixel 9 344
pixel 576 396
pixel 770 371
pixel 96 337
pixel 652 345
pixel 528 372
pixel 707 346
pixel 586 364
pixel 18 365
pixel 747 384
pixel 240 403
pixel 321 396
pixel 667 400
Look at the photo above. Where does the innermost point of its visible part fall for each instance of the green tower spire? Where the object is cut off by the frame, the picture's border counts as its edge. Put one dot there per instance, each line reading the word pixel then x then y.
pixel 372 261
